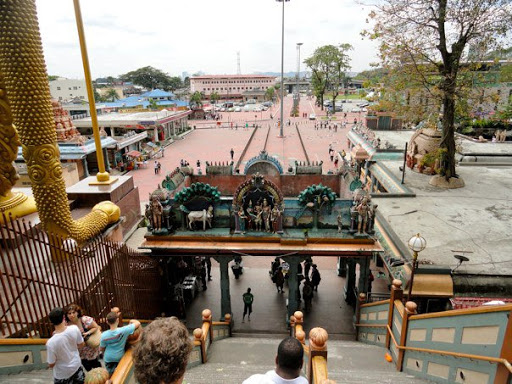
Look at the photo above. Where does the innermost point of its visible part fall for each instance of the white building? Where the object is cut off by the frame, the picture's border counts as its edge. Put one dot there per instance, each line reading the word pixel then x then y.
pixel 230 86
pixel 63 89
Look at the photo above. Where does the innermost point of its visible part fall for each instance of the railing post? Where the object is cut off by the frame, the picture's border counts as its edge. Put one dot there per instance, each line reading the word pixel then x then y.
pixel 198 338
pixel 410 309
pixel 502 373
pixel 317 347
pixel 207 319
pixel 360 301
pixel 299 321
pixel 396 294
pixel 227 319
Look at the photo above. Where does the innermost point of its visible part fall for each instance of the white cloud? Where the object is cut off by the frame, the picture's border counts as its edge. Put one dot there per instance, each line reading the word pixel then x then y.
pixel 199 35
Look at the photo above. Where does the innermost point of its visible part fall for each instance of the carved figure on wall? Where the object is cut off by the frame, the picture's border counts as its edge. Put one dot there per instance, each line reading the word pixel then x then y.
pixel 265 214
pixel 362 209
pixel 275 218
pixel 156 213
pixel 257 219
pixel 148 215
pixel 259 197
pixel 205 216
pixel 340 222
pixel 371 216
pixel 250 216
pixel 241 219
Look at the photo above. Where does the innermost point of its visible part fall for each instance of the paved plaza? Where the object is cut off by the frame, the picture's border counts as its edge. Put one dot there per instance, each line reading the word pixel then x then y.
pixel 212 144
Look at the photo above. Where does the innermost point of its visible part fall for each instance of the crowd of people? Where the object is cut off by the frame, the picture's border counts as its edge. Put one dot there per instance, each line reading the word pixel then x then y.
pixel 308 273
pixel 160 354
pixel 77 344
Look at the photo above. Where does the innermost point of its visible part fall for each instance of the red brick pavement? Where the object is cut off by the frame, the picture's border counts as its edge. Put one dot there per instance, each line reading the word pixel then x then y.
pixel 214 144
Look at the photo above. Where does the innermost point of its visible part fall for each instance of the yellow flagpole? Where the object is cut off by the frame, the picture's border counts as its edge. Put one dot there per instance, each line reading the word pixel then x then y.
pixel 102 176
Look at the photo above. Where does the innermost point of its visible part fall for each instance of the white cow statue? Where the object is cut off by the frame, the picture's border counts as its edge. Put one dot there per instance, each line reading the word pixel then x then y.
pixel 205 216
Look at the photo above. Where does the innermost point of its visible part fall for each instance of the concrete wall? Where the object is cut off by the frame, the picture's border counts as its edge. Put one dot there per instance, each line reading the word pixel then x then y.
pixel 290 185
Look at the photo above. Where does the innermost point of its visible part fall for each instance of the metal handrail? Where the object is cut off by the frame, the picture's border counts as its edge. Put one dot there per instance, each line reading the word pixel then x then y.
pixel 489 359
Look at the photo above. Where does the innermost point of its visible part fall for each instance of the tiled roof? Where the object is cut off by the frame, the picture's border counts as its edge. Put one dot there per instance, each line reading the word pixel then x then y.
pixel 157 93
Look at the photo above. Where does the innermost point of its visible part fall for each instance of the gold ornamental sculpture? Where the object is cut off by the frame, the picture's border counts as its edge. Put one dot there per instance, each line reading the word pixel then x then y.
pixel 24 70
pixel 12 204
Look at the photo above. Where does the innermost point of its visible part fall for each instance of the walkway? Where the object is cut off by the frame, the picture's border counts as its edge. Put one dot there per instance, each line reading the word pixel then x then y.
pixel 214 144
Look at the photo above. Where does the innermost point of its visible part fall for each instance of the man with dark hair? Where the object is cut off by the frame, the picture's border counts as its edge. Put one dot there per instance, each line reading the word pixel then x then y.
pixel 113 341
pixel 161 356
pixel 248 298
pixel 62 350
pixel 289 359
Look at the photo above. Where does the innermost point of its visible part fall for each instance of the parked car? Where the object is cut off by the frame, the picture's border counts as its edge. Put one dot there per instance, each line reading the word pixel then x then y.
pixel 231 109
pixel 238 109
pixel 312 116
pixel 257 109
pixel 355 110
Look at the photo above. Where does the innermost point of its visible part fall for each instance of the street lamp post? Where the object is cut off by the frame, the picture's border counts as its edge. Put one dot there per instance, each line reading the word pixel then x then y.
pixel 298 72
pixel 416 245
pixel 281 123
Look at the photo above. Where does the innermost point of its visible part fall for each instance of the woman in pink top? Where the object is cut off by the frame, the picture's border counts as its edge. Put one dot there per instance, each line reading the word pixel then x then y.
pixel 86 325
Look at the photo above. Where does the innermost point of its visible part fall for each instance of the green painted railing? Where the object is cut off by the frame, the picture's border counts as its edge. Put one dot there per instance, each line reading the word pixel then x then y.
pixel 467 345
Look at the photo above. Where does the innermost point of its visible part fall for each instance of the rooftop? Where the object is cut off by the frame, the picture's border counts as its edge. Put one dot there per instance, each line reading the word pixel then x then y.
pixel 473 219
pixel 231 76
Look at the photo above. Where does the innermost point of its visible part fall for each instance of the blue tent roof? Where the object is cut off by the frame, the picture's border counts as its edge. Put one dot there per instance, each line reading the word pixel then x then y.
pixel 157 93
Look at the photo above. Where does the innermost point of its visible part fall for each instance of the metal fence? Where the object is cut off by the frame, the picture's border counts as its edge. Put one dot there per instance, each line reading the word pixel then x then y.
pixel 97 276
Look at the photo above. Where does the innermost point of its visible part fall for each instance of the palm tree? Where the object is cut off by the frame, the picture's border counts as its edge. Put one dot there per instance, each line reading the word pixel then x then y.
pixel 111 95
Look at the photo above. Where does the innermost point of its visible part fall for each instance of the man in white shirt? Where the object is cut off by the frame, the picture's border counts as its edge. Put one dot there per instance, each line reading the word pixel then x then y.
pixel 289 359
pixel 62 350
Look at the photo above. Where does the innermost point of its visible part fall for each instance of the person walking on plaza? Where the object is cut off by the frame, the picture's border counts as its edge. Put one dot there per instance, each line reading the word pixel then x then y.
pixel 315 277
pixel 232 153
pixel 307 266
pixel 279 279
pixel 248 298
pixel 307 295
pixel 289 360
pixel 62 350
pixel 114 340
pixel 209 267
pixel 202 273
pixel 156 167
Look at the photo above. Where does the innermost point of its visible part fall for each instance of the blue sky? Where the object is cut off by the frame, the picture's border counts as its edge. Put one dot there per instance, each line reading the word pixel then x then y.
pixel 200 35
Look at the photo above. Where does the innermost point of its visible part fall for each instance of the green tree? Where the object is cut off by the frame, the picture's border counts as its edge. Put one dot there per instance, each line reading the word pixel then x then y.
pixel 111 95
pixel 153 104
pixel 328 65
pixel 214 97
pixel 506 114
pixel 438 37
pixel 269 93
pixel 97 97
pixel 52 77
pixel 151 78
pixel 196 99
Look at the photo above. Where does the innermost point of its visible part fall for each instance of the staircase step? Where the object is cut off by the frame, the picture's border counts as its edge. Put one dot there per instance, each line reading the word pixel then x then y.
pixel 43 376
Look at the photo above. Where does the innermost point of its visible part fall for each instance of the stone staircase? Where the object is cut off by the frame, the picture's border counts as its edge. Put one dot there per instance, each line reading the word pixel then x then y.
pixel 34 377
pixel 234 359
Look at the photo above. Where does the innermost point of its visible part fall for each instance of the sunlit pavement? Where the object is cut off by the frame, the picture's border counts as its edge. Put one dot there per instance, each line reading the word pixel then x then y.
pixel 214 144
